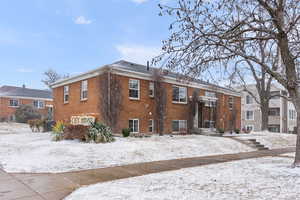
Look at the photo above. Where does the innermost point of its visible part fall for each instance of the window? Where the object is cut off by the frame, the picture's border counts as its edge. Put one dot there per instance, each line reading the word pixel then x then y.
pixel 66 94
pixel 179 94
pixel 274 112
pixel 38 104
pixel 210 94
pixel 134 125
pixel 179 126
pixel 249 128
pixel 292 114
pixel 134 89
pixel 151 89
pixel 84 90
pixel 249 115
pixel 14 103
pixel 210 104
pixel 151 125
pixel 275 95
pixel 274 128
pixel 249 99
pixel 230 103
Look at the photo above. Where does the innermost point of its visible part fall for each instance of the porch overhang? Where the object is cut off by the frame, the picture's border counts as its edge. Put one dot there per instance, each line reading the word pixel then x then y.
pixel 207 99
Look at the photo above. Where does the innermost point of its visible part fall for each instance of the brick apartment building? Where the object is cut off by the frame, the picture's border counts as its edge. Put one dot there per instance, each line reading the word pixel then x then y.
pixel 12 97
pixel 216 107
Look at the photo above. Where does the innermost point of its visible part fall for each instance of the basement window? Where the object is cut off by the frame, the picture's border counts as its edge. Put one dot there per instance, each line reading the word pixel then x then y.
pixel 274 112
pixel 179 126
pixel 134 125
pixel 151 125
pixel 249 128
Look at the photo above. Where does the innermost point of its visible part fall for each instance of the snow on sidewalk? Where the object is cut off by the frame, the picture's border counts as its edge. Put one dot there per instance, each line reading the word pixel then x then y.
pixel 35 152
pixel 263 179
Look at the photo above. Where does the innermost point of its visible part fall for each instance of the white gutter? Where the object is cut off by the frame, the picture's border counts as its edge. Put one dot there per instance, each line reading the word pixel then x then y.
pixel 117 69
pixel 21 97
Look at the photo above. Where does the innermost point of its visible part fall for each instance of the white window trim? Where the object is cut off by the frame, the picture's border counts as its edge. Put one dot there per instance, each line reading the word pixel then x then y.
pixel 186 96
pixel 65 94
pixel 38 104
pixel 179 125
pixel 14 106
pixel 81 90
pixel 138 121
pixel 251 98
pixel 210 92
pixel 134 98
pixel 292 114
pixel 151 83
pixel 246 114
pixel 152 125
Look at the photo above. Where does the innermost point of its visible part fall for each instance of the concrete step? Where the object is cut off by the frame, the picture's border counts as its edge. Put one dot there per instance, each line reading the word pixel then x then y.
pixel 255 144
pixel 263 148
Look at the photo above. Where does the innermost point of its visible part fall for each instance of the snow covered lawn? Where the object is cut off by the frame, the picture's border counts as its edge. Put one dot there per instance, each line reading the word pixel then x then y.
pixel 35 152
pixel 13 128
pixel 263 179
pixel 272 140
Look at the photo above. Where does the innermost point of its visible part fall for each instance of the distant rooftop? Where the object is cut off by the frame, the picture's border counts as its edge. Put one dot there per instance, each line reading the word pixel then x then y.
pixel 24 92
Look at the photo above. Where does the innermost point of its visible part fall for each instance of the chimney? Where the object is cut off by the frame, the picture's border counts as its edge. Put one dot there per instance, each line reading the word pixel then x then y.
pixel 148 67
pixel 23 86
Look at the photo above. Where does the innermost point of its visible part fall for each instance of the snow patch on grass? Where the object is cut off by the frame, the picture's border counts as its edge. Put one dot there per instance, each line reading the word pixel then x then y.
pixel 36 153
pixel 13 128
pixel 263 178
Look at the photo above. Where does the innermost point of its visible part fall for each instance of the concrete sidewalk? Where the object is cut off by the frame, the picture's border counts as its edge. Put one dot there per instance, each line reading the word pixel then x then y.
pixel 57 186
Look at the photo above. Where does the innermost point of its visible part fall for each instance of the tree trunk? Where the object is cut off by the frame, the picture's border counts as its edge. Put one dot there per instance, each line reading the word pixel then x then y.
pixel 297 156
pixel 264 117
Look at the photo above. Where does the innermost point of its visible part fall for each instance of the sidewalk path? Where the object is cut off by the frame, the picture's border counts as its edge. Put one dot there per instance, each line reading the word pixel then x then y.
pixel 22 186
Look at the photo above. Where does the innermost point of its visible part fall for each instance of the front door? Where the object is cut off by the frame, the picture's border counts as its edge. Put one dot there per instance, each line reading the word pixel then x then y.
pixel 207 115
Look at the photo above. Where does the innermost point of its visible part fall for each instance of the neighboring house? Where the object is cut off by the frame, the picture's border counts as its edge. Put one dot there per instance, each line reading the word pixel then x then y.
pixel 12 97
pixel 216 107
pixel 282 113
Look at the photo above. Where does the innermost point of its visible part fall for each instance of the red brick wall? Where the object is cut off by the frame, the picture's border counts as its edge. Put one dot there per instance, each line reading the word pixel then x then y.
pixel 64 111
pixel 7 112
pixel 142 109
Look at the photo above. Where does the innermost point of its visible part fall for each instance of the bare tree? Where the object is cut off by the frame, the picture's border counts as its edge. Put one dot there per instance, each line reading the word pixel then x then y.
pixel 260 76
pixel 51 76
pixel 206 34
pixel 160 99
pixel 111 99
pixel 192 109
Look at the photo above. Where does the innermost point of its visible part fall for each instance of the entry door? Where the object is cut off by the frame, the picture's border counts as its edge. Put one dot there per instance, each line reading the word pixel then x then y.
pixel 50 113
